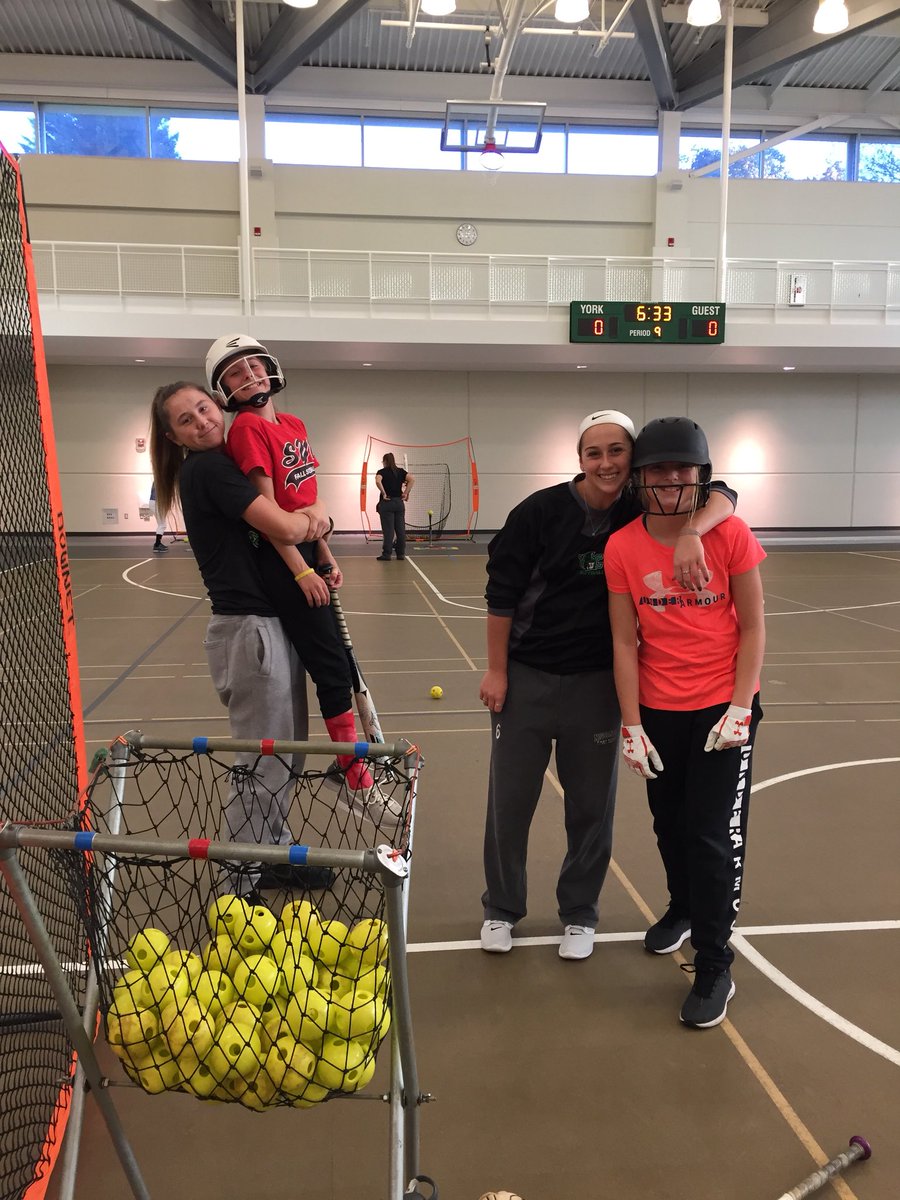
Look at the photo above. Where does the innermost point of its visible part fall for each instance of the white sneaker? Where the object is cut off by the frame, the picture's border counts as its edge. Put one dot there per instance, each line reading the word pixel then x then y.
pixel 577 942
pixel 496 937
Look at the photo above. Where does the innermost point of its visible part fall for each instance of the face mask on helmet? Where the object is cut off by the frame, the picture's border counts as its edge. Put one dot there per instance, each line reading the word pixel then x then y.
pixel 256 365
pixel 671 440
pixel 255 369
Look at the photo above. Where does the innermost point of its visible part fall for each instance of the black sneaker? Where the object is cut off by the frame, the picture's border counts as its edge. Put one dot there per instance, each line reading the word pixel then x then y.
pixel 667 934
pixel 383 558
pixel 707 1001
pixel 283 875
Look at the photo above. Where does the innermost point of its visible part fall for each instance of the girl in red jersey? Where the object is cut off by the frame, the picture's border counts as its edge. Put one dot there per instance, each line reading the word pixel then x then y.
pixel 686 667
pixel 273 451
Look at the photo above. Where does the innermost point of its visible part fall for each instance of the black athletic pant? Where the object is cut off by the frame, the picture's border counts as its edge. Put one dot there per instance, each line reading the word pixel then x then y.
pixel 700 805
pixel 392 513
pixel 313 632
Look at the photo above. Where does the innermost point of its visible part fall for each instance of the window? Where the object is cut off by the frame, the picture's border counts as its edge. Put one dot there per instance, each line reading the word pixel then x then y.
pixel 549 160
pixel 814 158
pixel 316 141
pixel 17 128
pixel 879 160
pixel 701 148
pixel 410 144
pixel 596 151
pixel 93 129
pixel 194 136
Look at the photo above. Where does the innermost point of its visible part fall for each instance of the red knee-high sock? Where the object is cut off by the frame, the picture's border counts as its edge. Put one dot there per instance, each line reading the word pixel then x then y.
pixel 342 728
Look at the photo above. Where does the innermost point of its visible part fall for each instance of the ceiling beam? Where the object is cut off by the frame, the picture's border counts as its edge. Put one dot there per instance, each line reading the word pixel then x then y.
pixel 788 38
pixel 886 75
pixel 647 18
pixel 294 36
pixel 193 28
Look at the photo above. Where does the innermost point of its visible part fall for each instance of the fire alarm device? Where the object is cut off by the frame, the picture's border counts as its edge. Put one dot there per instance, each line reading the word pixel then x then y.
pixel 140 444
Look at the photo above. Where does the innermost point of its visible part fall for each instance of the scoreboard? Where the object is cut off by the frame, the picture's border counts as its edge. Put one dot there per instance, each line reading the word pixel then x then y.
pixel 644 324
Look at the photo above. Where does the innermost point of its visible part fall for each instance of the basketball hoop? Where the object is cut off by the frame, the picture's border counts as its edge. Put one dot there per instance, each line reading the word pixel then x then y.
pixel 491 157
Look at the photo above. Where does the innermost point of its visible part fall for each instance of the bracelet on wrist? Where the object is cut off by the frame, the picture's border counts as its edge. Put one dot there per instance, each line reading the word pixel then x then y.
pixel 303 574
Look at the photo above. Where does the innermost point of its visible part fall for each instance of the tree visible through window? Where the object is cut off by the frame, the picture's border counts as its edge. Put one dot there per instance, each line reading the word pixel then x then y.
pixel 94 131
pixel 879 162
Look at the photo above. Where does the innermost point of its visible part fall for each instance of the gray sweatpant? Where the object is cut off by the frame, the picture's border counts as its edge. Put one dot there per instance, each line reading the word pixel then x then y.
pixel 581 714
pixel 261 681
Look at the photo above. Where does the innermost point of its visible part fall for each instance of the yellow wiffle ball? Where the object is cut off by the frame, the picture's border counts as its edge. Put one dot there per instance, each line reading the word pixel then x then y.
pixel 436 692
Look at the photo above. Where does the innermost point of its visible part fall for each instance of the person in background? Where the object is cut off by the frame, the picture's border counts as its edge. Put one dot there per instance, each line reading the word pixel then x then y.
pixel 158 547
pixel 394 485
pixel 687 669
pixel 253 666
pixel 549 678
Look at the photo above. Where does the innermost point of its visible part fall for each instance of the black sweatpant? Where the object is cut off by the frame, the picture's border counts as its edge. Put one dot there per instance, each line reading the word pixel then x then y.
pixel 700 805
pixel 313 632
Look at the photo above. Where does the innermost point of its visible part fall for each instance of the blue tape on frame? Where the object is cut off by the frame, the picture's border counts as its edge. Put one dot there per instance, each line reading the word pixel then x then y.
pixel 297 855
pixel 200 745
pixel 360 749
pixel 84 841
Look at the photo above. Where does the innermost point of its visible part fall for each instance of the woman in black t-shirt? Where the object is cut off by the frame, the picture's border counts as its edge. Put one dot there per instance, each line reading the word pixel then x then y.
pixel 394 485
pixel 253 666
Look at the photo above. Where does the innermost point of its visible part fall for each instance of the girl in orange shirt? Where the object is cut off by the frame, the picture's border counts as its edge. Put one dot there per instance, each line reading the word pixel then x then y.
pixel 686 667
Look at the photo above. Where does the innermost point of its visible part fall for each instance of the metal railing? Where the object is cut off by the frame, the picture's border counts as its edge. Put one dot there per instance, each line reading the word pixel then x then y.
pixel 135 277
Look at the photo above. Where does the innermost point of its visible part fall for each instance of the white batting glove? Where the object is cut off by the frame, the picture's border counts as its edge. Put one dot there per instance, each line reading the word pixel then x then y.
pixel 639 752
pixel 732 729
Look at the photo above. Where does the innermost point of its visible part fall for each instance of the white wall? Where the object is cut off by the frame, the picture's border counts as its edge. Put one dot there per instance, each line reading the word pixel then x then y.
pixel 161 201
pixel 804 452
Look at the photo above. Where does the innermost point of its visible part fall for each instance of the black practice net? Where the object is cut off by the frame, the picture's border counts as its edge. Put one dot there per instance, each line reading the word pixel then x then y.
pixel 444 497
pixel 234 982
pixel 41 745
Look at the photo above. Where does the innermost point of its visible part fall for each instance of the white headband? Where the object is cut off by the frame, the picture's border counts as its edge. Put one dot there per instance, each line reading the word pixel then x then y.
pixel 606 416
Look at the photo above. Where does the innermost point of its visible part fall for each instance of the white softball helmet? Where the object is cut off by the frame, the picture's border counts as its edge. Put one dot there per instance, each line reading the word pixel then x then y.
pixel 235 346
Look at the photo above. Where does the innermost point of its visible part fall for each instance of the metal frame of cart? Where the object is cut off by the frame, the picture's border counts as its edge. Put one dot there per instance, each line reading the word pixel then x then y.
pixel 390 864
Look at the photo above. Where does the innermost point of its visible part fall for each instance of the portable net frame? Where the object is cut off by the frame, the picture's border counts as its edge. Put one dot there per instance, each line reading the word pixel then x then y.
pixel 42 766
pixel 444 499
pixel 234 971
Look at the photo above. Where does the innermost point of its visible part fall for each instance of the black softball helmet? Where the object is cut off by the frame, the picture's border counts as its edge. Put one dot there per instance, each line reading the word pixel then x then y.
pixel 672 440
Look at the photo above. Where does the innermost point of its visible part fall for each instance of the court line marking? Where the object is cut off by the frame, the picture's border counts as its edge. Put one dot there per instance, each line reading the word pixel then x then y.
pixel 609 938
pixel 782 1105
pixel 126 575
pixel 443 625
pixel 869 554
pixel 439 594
pixel 812 1003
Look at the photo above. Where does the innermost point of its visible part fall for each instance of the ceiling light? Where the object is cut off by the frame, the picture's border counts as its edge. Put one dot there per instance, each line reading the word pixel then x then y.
pixel 367 364
pixel 789 368
pixel 704 12
pixel 301 3
pixel 438 8
pixel 581 367
pixel 140 360
pixel 831 17
pixel 570 12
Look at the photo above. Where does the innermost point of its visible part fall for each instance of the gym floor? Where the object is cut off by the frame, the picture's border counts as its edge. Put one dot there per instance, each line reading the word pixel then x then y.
pixel 558 1079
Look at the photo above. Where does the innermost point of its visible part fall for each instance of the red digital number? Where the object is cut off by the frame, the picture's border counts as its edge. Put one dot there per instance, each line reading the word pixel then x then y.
pixel 712 328
pixel 598 327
